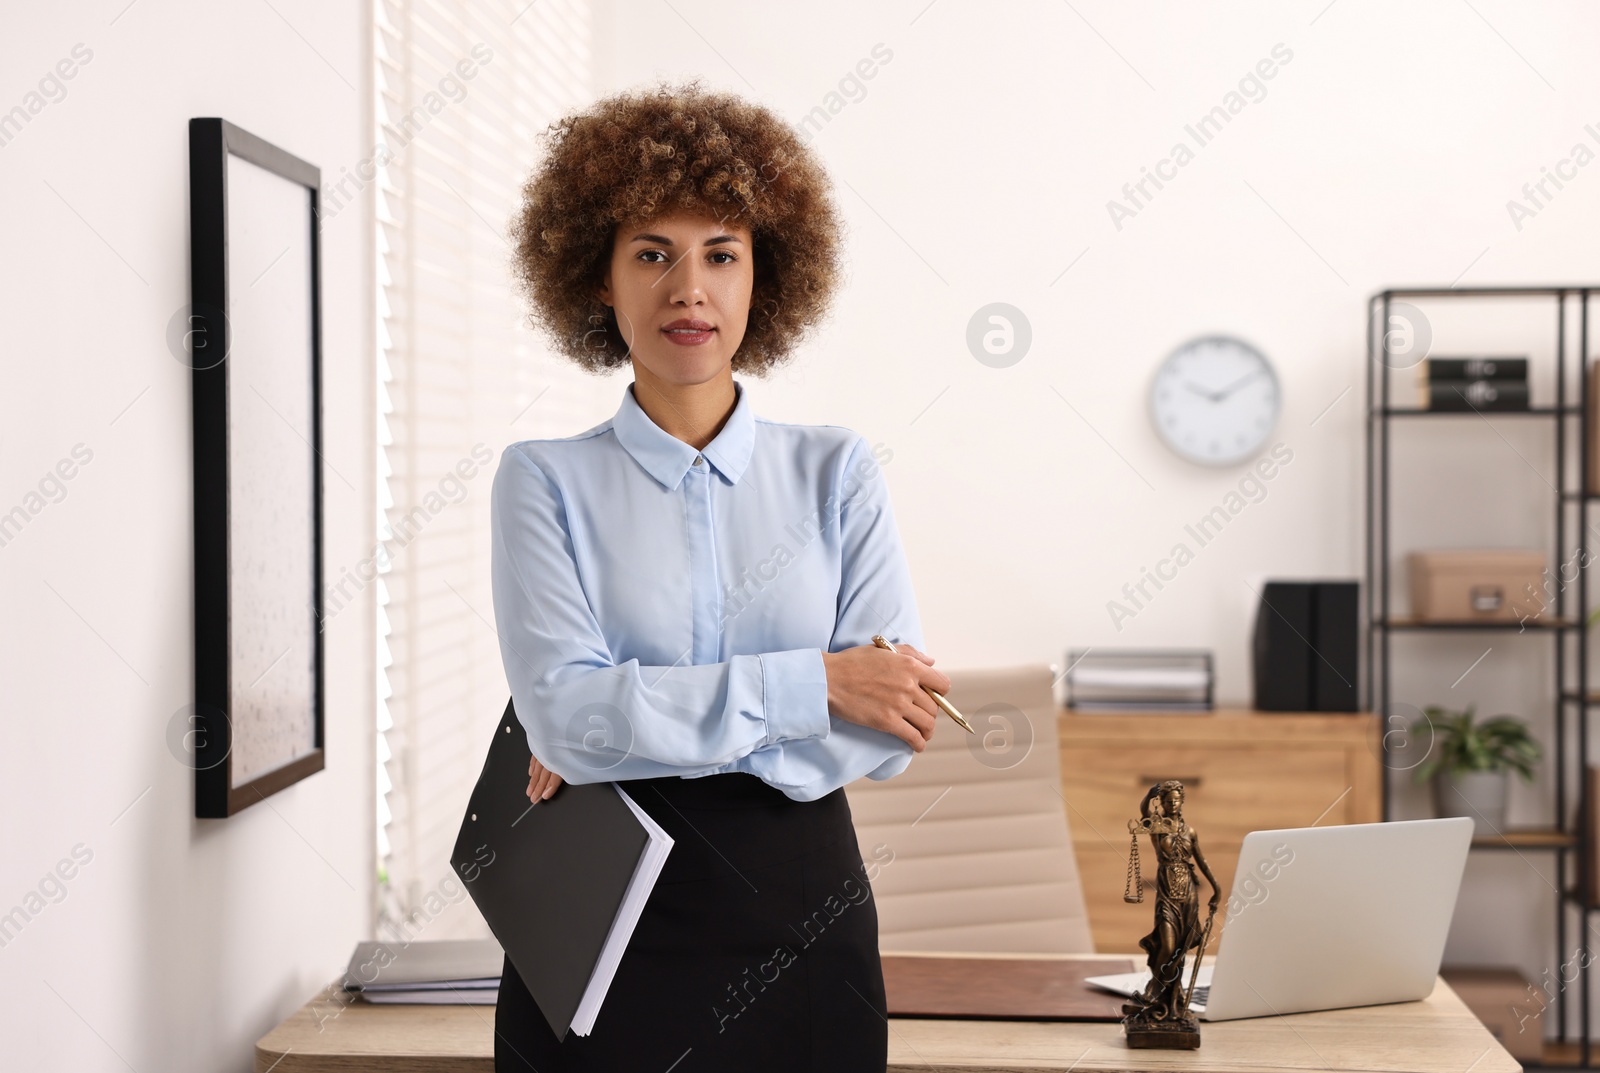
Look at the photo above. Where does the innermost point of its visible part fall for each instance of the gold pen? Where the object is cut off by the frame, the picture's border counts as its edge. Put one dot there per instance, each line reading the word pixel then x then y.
pixel 944 705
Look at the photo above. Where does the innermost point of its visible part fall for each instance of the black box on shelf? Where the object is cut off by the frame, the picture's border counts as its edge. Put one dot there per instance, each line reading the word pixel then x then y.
pixel 1306 646
pixel 1467 384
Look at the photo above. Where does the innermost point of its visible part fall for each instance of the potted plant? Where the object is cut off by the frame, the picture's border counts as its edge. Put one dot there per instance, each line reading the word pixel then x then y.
pixel 1470 763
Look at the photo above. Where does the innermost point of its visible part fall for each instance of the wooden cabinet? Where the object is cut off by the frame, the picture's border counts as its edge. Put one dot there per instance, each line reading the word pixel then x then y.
pixel 1242 771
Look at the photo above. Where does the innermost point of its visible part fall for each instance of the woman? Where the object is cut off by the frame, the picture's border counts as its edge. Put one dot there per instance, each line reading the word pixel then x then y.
pixel 1177 925
pixel 686 593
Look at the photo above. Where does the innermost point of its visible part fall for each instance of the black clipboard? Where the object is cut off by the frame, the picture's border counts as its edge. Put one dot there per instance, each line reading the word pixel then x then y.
pixel 550 879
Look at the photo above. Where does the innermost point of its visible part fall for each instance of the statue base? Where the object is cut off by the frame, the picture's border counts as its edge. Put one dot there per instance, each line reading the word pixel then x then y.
pixel 1182 1035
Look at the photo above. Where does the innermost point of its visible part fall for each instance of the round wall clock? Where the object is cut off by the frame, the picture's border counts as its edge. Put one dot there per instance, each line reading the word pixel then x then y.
pixel 1215 400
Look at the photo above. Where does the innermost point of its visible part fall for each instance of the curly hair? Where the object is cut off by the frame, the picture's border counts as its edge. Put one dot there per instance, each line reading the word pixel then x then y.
pixel 641 154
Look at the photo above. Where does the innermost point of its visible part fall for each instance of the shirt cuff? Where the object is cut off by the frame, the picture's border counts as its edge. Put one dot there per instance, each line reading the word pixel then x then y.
pixel 794 695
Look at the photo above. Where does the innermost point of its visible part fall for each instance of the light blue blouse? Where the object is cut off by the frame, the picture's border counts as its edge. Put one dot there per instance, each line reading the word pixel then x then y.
pixel 663 611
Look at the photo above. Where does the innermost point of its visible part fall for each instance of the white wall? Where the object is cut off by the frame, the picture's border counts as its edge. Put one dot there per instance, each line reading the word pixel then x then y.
pixel 181 941
pixel 976 165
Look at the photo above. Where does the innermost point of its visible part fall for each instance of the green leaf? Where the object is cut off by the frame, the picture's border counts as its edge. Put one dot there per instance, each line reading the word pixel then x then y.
pixel 1500 743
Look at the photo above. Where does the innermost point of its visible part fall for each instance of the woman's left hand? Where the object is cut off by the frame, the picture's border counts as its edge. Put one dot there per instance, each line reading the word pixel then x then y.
pixel 542 781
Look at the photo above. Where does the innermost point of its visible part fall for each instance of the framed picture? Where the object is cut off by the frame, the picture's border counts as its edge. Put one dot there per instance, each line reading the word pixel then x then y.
pixel 255 348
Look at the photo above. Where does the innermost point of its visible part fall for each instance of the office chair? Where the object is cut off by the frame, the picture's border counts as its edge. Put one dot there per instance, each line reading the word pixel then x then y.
pixel 970 844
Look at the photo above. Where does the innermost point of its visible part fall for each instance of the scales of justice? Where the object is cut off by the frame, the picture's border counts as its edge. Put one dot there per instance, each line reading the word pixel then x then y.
pixel 1159 1016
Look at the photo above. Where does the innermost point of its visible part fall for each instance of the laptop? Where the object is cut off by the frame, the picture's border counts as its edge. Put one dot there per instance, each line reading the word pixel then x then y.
pixel 1320 918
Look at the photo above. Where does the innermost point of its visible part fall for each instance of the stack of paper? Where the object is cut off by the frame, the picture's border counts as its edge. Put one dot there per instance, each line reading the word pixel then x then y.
pixel 435 972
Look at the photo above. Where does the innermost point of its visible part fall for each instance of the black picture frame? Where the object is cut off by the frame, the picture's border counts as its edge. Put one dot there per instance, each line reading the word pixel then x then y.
pixel 257 557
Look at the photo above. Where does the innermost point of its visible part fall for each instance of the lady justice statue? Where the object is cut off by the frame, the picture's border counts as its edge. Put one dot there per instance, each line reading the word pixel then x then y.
pixel 1159 1017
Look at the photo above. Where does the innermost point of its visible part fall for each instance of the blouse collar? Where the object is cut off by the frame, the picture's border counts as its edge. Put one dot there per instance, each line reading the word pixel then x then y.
pixel 667 458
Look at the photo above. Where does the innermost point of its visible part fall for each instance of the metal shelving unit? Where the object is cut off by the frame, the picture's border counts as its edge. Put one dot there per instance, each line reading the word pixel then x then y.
pixel 1566 625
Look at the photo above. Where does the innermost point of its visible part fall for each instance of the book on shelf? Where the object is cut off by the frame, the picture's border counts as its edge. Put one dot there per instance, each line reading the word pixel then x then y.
pixel 1467 395
pixel 1487 368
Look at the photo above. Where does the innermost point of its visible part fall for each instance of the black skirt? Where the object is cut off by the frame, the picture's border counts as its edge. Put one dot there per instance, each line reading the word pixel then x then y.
pixel 757 949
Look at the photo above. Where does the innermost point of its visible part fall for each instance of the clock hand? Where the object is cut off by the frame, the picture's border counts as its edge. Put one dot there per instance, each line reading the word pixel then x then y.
pixel 1235 386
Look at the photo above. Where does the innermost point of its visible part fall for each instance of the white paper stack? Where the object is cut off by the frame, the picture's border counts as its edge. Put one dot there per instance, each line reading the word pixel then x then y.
pixel 435 972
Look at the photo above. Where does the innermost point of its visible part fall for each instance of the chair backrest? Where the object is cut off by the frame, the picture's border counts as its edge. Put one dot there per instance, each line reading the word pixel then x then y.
pixel 970 844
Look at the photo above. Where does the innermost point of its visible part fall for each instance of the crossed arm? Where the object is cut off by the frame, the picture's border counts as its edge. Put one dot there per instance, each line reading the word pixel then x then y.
pixel 797 718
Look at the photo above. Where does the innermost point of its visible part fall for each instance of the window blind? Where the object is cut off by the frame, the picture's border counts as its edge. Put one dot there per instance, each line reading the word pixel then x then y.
pixel 461 89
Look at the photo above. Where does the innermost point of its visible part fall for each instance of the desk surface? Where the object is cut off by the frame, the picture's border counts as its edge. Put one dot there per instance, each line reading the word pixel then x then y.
pixel 1435 1035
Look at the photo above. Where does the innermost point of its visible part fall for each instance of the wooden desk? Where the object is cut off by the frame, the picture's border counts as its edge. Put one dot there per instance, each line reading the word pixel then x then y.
pixel 1435 1035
